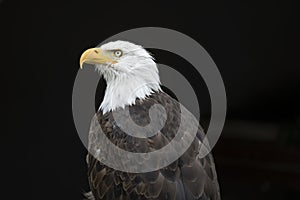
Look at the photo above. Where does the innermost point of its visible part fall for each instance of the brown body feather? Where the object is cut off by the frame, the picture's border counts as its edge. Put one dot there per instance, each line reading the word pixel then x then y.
pixel 188 178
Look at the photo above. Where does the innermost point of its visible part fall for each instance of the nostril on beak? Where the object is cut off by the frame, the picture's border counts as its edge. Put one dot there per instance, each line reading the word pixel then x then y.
pixel 96 51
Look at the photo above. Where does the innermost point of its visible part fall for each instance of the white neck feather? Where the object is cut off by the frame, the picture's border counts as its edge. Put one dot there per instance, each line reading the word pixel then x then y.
pixel 120 93
pixel 124 89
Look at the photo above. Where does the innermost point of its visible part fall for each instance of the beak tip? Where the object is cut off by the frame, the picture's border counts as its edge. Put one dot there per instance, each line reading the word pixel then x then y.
pixel 81 63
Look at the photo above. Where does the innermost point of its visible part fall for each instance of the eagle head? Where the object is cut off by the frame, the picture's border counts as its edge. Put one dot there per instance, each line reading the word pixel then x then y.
pixel 129 70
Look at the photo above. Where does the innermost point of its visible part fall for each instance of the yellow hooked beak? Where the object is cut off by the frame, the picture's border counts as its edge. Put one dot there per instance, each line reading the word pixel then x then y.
pixel 95 56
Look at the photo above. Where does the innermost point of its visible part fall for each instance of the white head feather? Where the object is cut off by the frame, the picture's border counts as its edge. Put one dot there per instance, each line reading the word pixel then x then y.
pixel 133 76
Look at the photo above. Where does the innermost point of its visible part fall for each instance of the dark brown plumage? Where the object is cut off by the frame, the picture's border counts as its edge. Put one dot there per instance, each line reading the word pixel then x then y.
pixel 187 178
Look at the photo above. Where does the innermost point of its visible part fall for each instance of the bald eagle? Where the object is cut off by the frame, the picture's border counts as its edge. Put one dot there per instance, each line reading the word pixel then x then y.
pixel 133 83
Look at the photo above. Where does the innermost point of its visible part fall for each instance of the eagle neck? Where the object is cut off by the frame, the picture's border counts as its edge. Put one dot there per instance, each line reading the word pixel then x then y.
pixel 123 91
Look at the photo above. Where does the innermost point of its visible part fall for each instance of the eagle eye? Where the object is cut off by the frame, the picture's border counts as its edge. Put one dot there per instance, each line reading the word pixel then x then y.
pixel 118 53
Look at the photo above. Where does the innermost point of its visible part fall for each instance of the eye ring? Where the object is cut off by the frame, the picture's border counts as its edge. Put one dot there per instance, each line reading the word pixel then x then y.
pixel 118 53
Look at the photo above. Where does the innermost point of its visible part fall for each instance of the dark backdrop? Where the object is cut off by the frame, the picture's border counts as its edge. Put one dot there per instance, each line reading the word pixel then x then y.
pixel 255 46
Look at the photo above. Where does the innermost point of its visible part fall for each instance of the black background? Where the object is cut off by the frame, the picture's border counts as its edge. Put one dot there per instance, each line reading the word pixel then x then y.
pixel 255 46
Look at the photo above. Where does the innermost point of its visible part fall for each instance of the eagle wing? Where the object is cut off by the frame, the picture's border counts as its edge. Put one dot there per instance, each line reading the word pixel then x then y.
pixel 189 177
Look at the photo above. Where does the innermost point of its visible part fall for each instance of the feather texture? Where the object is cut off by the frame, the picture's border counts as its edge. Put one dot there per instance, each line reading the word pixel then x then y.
pixel 188 178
